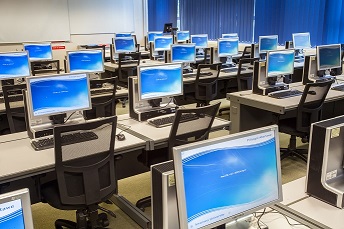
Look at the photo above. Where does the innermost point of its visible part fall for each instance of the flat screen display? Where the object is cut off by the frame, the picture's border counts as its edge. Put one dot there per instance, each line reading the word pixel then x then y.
pixel 151 35
pixel 185 53
pixel 329 56
pixel 90 60
pixel 301 40
pixel 11 215
pixel 57 94
pixel 183 36
pixel 201 40
pixel 227 47
pixel 123 35
pixel 14 65
pixel 267 43
pixel 280 62
pixel 163 43
pixel 39 51
pixel 220 180
pixel 230 35
pixel 155 82
pixel 124 44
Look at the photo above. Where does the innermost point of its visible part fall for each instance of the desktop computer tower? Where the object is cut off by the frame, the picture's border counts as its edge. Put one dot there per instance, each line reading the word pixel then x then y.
pixel 164 201
pixel 325 173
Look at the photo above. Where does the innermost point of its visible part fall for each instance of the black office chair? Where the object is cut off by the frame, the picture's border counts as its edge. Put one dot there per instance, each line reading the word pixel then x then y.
pixel 243 81
pixel 183 133
pixel 14 109
pixel 85 173
pixel 206 86
pixel 102 105
pixel 308 112
pixel 246 53
pixel 127 66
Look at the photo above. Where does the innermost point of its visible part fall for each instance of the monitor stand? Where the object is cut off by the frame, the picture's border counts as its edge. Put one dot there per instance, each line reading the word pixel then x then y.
pixel 187 68
pixel 58 119
pixel 249 222
pixel 299 57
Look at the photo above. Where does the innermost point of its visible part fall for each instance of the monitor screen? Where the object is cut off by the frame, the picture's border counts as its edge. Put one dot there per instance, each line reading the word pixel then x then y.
pixel 151 35
pixel 122 34
pixel 58 94
pixel 155 82
pixel 230 35
pixel 90 60
pixel 223 179
pixel 163 43
pixel 301 40
pixel 267 43
pixel 280 62
pixel 329 56
pixel 201 40
pixel 14 65
pixel 227 47
pixel 39 51
pixel 185 53
pixel 124 44
pixel 183 36
pixel 16 210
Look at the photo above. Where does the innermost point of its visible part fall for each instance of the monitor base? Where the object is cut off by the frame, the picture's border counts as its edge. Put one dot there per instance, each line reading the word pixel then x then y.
pixel 249 222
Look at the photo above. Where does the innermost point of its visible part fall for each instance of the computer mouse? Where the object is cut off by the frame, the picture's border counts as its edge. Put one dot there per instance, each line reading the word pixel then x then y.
pixel 120 137
pixel 143 61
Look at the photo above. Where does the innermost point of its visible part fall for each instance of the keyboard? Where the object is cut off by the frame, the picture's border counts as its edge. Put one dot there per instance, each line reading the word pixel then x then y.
pixel 14 98
pixel 285 93
pixel 194 74
pixel 338 87
pixel 46 143
pixel 168 120
pixel 229 70
pixel 100 91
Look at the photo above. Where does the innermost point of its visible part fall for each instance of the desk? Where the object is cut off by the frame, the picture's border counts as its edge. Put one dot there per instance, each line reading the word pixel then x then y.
pixel 249 111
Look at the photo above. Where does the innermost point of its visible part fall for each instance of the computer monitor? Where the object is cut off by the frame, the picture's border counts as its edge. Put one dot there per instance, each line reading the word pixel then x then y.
pixel 124 44
pixel 54 95
pixel 220 180
pixel 328 57
pixel 159 81
pixel 201 40
pixel 229 35
pixel 16 210
pixel 280 62
pixel 163 43
pixel 227 47
pixel 168 27
pixel 301 40
pixel 185 53
pixel 151 35
pixel 39 51
pixel 267 43
pixel 14 65
pixel 123 34
pixel 183 36
pixel 88 60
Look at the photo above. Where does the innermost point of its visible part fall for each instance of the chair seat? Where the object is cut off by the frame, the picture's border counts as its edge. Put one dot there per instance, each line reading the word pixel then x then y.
pixel 287 126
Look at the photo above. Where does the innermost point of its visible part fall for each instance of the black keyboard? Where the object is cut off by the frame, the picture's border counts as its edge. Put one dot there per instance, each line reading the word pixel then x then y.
pixel 195 74
pixel 339 87
pixel 100 91
pixel 46 143
pixel 229 70
pixel 285 94
pixel 14 98
pixel 167 121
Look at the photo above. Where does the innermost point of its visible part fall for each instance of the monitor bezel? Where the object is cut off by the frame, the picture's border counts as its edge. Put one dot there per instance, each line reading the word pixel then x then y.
pixel 139 68
pixel 123 38
pixel 289 51
pixel 170 37
pixel 183 222
pixel 188 44
pixel 199 35
pixel 226 39
pixel 130 34
pixel 309 40
pixel 85 50
pixel 182 31
pixel 33 43
pixel 24 196
pixel 262 37
pixel 153 32
pixel 31 110
pixel 232 35
pixel 17 77
pixel 318 59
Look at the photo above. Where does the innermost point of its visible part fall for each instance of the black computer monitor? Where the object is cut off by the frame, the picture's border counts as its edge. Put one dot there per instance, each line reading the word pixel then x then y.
pixel 14 65
pixel 88 60
pixel 168 27
pixel 223 179
pixel 267 43
pixel 39 51
pixel 54 95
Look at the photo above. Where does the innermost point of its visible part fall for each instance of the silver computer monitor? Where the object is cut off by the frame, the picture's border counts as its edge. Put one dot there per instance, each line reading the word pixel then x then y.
pixel 163 43
pixel 267 43
pixel 39 51
pixel 280 62
pixel 85 60
pixel 185 53
pixel 14 65
pixel 124 44
pixel 183 36
pixel 328 57
pixel 230 35
pixel 227 47
pixel 201 40
pixel 301 40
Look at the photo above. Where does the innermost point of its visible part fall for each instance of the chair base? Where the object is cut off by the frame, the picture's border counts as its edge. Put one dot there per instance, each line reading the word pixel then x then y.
pixel 144 202
pixel 224 109
pixel 299 153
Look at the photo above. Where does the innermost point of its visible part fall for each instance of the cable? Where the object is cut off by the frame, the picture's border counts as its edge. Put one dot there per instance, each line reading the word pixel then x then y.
pixel 127 128
pixel 69 117
pixel 276 212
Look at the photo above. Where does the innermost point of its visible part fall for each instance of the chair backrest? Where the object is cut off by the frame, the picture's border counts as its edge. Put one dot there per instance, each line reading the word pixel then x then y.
pixel 246 53
pixel 15 109
pixel 127 66
pixel 86 170
pixel 310 105
pixel 104 105
pixel 183 132
pixel 206 86
pixel 244 81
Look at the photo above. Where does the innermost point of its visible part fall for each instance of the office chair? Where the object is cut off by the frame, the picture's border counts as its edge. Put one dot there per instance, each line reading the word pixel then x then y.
pixel 14 110
pixel 308 112
pixel 127 66
pixel 85 173
pixel 243 81
pixel 102 105
pixel 206 86
pixel 183 133
pixel 246 53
